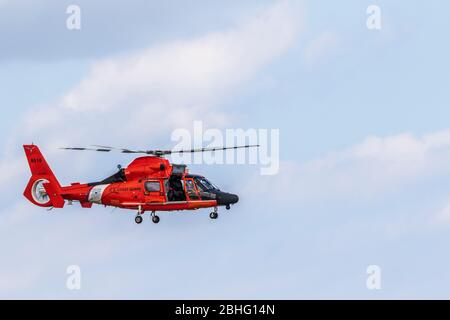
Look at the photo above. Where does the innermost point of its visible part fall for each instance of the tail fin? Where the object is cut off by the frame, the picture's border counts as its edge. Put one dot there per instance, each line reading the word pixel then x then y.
pixel 43 189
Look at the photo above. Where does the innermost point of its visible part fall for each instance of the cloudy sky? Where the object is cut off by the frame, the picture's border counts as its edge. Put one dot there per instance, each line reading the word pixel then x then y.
pixel 364 146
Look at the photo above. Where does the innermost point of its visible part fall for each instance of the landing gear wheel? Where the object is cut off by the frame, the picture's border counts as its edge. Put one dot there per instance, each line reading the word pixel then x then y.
pixel 138 219
pixel 155 219
pixel 228 207
pixel 213 215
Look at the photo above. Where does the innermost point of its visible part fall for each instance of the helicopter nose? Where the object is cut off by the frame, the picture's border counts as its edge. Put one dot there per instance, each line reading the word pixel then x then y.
pixel 224 199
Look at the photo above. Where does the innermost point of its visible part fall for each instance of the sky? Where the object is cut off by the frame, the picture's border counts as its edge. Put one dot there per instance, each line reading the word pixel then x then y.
pixel 364 147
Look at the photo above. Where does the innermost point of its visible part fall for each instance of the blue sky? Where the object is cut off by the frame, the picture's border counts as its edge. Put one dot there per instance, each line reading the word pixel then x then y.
pixel 365 146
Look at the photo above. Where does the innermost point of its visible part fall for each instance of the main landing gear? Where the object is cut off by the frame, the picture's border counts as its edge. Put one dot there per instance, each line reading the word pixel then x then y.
pixel 214 215
pixel 138 219
pixel 155 218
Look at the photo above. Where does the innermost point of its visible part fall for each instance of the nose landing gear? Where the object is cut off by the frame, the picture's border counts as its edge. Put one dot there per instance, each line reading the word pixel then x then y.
pixel 214 215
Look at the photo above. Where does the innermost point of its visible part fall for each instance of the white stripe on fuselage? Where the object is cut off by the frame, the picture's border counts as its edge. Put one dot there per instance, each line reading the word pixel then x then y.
pixel 95 196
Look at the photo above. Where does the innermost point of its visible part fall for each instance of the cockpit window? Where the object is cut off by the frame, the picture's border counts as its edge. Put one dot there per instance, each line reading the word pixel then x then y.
pixel 204 185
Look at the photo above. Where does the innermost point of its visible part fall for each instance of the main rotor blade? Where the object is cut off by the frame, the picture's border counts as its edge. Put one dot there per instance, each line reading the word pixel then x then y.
pixel 87 149
pixel 120 149
pixel 157 153
pixel 105 149
pixel 214 149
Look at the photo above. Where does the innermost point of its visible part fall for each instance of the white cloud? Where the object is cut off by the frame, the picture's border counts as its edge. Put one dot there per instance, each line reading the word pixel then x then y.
pixel 373 167
pixel 196 72
pixel 189 75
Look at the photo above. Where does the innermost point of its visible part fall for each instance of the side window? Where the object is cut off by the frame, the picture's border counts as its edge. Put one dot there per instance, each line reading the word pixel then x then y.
pixel 152 186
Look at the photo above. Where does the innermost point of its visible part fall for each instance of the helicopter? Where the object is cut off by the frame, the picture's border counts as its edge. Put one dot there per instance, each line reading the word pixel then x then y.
pixel 149 183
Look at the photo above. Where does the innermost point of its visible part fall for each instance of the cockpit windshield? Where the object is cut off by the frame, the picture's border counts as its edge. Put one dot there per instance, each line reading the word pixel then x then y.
pixel 204 185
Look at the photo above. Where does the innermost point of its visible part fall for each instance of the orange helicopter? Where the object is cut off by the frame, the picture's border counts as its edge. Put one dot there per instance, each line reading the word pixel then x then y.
pixel 149 183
